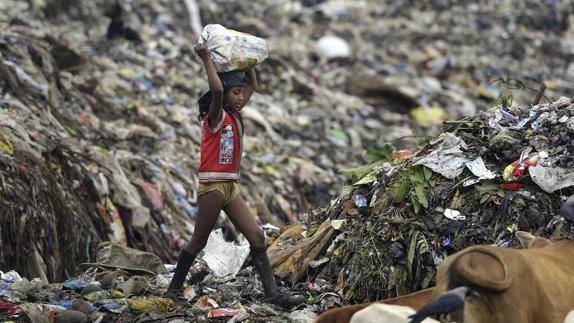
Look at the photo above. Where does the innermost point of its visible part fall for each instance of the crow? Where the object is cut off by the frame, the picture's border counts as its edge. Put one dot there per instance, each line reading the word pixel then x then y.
pixel 448 302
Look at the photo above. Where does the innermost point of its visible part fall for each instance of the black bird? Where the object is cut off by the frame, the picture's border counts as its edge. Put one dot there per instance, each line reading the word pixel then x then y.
pixel 567 209
pixel 448 302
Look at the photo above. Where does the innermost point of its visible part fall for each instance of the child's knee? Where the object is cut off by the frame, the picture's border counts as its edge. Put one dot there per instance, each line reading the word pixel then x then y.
pixel 257 239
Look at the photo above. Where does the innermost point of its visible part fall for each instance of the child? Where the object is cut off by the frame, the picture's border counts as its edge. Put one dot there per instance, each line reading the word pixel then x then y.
pixel 218 189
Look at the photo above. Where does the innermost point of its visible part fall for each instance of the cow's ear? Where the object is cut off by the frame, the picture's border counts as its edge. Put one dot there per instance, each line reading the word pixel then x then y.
pixel 524 238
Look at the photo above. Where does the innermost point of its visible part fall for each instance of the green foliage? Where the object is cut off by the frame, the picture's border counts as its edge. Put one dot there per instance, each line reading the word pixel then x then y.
pixel 488 189
pixel 385 153
pixel 415 183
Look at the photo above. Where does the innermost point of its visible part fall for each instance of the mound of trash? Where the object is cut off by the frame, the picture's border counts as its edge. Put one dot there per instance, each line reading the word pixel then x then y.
pixel 99 139
pixel 478 182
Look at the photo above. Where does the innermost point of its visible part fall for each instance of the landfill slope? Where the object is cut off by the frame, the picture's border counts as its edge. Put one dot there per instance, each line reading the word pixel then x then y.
pixel 484 178
pixel 99 139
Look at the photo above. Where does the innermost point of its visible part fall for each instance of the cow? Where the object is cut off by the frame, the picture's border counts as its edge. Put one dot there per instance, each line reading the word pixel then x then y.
pixel 492 284
pixel 343 314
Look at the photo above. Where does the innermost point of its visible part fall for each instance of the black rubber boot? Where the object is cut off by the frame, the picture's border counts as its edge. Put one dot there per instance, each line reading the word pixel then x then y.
pixel 272 293
pixel 175 289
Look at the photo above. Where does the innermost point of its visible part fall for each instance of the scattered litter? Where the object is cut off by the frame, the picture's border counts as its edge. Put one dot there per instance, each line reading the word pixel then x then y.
pixel 454 215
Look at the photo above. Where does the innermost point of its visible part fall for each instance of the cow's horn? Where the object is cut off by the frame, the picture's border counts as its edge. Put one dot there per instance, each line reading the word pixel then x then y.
pixel 482 267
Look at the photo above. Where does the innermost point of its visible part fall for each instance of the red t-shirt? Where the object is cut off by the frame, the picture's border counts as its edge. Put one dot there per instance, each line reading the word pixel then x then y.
pixel 221 149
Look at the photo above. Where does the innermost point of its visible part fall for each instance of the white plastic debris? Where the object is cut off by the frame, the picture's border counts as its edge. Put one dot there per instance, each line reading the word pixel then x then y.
pixel 454 215
pixel 11 277
pixel 447 158
pixel 333 47
pixel 478 169
pixel 318 262
pixel 233 50
pixel 551 179
pixel 223 258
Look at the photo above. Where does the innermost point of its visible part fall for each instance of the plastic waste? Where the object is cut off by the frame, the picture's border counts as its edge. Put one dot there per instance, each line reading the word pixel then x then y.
pixel 9 309
pixel 75 284
pixel 454 215
pixel 233 50
pixel 551 179
pixel 447 158
pixel 333 47
pixel 206 303
pixel 222 312
pixel 517 169
pixel 151 304
pixel 10 277
pixel 223 258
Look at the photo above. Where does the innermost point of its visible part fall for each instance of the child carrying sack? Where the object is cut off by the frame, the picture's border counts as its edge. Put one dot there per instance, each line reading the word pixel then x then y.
pixel 233 50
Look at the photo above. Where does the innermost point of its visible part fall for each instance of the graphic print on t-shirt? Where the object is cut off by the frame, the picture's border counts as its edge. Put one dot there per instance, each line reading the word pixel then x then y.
pixel 226 145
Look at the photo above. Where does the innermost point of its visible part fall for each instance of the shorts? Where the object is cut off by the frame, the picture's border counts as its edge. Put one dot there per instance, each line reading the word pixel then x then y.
pixel 229 190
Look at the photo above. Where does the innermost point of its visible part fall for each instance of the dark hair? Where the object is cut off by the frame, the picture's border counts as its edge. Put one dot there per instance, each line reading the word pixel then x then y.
pixel 228 80
pixel 205 102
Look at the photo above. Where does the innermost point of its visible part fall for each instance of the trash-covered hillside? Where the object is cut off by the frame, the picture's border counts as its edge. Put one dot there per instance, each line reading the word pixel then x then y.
pixel 478 182
pixel 99 141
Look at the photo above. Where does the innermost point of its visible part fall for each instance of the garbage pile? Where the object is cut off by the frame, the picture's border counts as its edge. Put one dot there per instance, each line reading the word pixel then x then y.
pixel 478 182
pixel 127 285
pixel 98 133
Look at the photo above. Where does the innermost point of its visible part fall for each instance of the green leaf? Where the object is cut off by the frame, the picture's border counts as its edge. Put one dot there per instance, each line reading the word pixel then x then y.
pixel 416 203
pixel 420 193
pixel 401 188
pixel 428 173
pixel 428 279
pixel 359 172
pixel 339 136
pixel 385 153
pixel 411 252
pixel 366 180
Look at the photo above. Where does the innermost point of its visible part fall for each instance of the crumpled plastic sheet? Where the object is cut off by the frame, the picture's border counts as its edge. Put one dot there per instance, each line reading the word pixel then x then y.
pixel 551 179
pixel 478 169
pixel 447 159
pixel 225 259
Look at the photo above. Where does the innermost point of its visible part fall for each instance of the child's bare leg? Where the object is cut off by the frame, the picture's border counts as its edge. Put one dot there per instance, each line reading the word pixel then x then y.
pixel 244 221
pixel 209 206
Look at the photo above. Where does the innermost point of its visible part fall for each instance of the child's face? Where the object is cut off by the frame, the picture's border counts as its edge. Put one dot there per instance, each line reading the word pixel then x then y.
pixel 234 97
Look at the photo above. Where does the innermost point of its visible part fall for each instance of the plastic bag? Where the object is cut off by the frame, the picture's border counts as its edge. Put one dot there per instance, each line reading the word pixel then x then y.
pixel 233 50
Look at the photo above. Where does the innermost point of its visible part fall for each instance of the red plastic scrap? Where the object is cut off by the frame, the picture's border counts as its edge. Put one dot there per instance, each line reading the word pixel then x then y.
pixel 152 193
pixel 9 308
pixel 400 154
pixel 205 302
pixel 222 312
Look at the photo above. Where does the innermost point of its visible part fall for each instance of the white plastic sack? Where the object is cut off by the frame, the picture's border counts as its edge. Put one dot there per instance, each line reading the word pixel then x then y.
pixel 223 258
pixel 233 50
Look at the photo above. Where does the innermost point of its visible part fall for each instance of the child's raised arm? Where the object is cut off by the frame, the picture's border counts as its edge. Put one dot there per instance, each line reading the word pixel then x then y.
pixel 251 85
pixel 215 86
